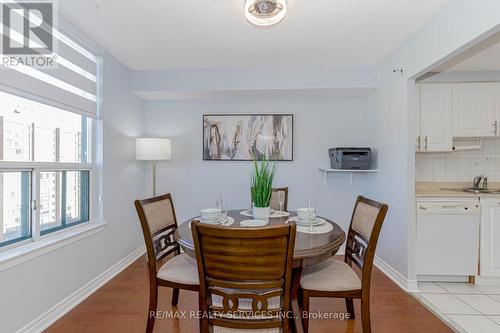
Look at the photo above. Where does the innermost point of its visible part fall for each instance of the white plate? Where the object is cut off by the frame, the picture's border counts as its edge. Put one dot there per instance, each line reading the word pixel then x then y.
pixel 319 221
pixel 277 213
pixel 229 221
pixel 253 223
pixel 225 222
pixel 274 214
pixel 209 222
pixel 320 229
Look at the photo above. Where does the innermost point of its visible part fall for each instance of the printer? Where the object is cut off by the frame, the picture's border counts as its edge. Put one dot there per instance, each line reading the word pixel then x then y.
pixel 350 158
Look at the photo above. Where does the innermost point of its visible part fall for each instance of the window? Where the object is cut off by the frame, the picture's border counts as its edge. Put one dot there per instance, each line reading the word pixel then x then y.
pixel 15 212
pixel 49 128
pixel 45 168
pixel 64 199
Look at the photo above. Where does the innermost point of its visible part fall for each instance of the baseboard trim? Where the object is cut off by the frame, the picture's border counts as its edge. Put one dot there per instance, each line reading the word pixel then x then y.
pixel 410 286
pixel 43 321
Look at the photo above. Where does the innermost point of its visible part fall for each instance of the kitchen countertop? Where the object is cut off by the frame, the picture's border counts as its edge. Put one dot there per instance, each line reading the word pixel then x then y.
pixel 446 189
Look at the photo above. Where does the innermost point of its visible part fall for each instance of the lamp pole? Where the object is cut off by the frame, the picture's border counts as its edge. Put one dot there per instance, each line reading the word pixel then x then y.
pixel 155 173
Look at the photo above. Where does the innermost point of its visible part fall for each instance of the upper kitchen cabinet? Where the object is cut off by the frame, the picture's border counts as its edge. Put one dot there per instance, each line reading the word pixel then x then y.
pixel 436 118
pixel 475 109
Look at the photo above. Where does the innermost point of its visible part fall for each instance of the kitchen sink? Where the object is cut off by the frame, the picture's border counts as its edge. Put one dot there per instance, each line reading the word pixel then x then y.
pixel 479 190
pixel 472 190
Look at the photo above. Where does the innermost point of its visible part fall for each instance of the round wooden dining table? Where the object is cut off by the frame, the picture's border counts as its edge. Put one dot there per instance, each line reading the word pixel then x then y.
pixel 309 249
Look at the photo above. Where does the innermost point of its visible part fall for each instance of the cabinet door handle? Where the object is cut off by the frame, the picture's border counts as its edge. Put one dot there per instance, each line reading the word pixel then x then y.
pixel 425 143
pixel 418 143
pixel 495 127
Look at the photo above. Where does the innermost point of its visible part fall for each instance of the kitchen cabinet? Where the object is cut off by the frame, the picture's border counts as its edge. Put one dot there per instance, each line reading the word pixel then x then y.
pixel 475 109
pixel 435 115
pixel 490 238
pixel 497 94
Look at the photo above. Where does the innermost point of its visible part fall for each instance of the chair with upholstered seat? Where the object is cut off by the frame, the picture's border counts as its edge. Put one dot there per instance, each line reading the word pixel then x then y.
pixel 274 202
pixel 245 277
pixel 167 266
pixel 337 279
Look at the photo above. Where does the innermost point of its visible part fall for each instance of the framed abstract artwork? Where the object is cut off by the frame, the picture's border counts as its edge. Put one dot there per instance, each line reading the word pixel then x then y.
pixel 241 137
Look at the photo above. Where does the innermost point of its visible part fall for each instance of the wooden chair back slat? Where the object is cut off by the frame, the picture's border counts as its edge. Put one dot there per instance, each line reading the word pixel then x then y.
pixel 245 273
pixel 244 284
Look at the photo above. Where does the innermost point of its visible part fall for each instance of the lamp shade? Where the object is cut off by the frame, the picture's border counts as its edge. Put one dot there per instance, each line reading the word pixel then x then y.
pixel 153 149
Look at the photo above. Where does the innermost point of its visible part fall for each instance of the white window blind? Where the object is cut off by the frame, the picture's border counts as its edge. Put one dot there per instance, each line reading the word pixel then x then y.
pixel 72 85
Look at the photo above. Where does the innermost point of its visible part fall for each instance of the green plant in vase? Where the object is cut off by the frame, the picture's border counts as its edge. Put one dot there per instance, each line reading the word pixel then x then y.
pixel 262 180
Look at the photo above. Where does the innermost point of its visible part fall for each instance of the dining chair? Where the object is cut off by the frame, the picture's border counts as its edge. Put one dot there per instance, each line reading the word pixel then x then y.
pixel 167 266
pixel 337 279
pixel 245 277
pixel 274 203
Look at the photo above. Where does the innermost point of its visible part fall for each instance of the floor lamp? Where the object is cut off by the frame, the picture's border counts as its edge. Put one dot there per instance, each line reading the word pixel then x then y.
pixel 154 150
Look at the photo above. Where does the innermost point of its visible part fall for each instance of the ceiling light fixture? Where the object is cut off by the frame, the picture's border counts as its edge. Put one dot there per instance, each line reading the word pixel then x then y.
pixel 265 13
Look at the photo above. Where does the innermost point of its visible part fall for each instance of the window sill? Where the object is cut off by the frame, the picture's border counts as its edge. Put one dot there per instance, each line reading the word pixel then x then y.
pixel 31 250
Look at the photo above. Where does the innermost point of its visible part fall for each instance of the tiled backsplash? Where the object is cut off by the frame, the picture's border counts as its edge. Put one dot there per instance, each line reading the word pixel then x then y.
pixel 460 166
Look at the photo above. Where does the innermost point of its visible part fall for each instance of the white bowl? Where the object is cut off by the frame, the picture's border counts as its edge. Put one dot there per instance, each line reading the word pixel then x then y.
pixel 209 214
pixel 303 214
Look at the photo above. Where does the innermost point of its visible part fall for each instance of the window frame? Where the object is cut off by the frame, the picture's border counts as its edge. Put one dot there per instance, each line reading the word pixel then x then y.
pixel 35 168
pixel 27 238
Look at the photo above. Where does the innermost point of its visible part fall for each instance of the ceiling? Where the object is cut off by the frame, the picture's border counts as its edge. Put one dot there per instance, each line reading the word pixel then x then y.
pixel 482 57
pixel 194 34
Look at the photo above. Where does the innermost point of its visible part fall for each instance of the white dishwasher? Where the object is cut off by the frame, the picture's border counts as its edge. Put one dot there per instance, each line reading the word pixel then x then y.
pixel 447 238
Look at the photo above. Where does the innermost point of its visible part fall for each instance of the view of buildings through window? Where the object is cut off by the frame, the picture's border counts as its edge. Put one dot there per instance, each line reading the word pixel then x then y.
pixel 42 138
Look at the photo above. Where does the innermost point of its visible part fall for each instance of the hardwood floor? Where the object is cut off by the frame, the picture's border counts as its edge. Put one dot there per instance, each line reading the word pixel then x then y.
pixel 121 306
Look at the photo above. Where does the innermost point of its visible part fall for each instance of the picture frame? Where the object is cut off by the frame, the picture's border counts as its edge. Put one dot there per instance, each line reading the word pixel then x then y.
pixel 241 137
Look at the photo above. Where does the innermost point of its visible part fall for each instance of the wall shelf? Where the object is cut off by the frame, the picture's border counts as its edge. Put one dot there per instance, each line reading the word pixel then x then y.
pixel 326 171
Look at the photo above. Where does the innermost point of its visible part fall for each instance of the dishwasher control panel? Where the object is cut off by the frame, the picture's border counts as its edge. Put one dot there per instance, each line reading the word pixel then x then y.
pixel 448 207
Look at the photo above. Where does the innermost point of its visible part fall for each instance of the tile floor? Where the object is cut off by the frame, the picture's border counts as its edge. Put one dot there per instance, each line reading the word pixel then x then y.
pixel 465 307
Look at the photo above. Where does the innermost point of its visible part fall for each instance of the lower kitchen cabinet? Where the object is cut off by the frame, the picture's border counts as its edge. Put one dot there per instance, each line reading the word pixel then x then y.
pixel 490 238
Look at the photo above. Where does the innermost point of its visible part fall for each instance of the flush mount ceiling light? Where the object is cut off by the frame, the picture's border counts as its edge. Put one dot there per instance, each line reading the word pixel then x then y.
pixel 265 13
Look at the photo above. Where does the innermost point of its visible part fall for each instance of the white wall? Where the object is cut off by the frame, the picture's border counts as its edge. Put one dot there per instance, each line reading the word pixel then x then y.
pixel 388 132
pixel 392 125
pixel 320 123
pixel 30 289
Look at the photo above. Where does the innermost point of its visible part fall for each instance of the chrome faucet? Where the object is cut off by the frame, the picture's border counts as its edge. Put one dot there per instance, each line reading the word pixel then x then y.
pixel 477 182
